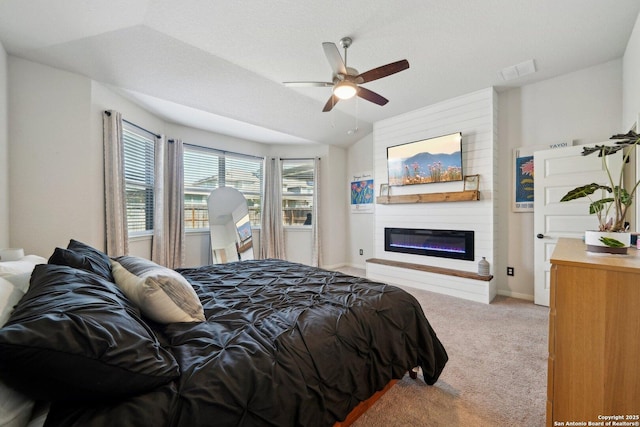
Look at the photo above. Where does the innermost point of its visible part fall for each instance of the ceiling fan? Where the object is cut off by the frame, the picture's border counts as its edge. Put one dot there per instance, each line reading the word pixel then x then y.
pixel 346 81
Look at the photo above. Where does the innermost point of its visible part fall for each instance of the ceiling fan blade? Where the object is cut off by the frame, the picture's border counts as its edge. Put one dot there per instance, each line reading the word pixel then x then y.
pixel 330 103
pixel 369 95
pixel 333 56
pixel 383 71
pixel 308 84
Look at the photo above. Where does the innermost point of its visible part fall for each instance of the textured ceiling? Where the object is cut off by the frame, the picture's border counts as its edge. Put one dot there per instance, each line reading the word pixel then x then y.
pixel 219 65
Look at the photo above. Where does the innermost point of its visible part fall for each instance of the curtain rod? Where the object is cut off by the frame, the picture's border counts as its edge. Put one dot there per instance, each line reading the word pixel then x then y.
pixel 299 158
pixel 220 151
pixel 108 113
pixel 141 128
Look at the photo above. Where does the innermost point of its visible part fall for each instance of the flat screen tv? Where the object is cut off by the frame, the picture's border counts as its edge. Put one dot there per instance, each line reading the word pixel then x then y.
pixel 426 161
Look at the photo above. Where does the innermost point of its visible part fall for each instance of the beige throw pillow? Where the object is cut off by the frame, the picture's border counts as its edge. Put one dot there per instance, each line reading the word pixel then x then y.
pixel 162 294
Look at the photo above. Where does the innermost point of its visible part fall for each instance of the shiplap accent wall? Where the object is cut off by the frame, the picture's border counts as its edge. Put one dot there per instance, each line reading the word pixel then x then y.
pixel 475 115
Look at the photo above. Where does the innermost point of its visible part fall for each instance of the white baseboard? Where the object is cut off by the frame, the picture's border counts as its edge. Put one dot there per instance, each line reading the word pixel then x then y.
pixel 344 264
pixel 360 266
pixel 333 266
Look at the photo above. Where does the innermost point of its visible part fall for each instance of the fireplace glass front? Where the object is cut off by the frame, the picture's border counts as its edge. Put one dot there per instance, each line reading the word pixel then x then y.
pixel 456 244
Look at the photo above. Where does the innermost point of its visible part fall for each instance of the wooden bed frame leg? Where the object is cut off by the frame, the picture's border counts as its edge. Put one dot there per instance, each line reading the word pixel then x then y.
pixel 413 373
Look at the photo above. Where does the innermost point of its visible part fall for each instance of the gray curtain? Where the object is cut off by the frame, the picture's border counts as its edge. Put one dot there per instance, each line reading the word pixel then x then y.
pixel 272 232
pixel 316 249
pixel 160 239
pixel 175 202
pixel 117 238
pixel 168 219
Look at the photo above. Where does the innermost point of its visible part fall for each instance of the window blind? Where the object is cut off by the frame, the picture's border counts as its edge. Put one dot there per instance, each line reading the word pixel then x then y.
pixel 206 169
pixel 139 178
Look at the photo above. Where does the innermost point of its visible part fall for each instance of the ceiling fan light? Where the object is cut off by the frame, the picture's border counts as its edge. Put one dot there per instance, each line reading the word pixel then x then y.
pixel 345 89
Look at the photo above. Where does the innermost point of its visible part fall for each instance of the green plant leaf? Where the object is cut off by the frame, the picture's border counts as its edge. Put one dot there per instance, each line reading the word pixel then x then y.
pixel 584 191
pixel 612 243
pixel 622 194
pixel 602 150
pixel 599 205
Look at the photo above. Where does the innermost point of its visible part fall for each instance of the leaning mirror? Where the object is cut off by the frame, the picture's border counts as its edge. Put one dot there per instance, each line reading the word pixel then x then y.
pixel 229 226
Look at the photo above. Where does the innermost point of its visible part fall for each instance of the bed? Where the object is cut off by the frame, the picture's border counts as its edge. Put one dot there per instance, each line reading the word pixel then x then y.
pixel 265 342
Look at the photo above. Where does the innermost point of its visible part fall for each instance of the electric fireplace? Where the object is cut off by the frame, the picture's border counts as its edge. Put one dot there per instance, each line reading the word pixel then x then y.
pixel 456 244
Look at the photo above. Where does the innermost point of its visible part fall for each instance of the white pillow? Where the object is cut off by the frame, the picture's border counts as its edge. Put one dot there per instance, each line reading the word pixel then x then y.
pixel 15 408
pixel 9 297
pixel 161 294
pixel 20 281
pixel 24 265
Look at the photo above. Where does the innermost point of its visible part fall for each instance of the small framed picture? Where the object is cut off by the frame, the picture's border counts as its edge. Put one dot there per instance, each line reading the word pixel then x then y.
pixel 384 189
pixel 471 182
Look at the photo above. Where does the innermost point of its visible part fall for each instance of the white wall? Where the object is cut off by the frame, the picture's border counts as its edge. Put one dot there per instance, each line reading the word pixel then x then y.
pixel 297 240
pixel 55 131
pixel 631 103
pixel 474 116
pixel 360 159
pixel 333 207
pixel 197 243
pixel 215 140
pixel 583 107
pixel 631 79
pixel 4 152
pixel 102 99
pixel 56 158
pixel 55 171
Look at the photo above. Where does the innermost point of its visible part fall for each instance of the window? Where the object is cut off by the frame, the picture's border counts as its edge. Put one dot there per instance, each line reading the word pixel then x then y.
pixel 297 191
pixel 201 175
pixel 139 159
pixel 206 169
pixel 245 175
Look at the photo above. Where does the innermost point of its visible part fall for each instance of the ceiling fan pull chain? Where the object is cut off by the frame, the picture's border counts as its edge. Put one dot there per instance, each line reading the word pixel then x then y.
pixel 333 117
pixel 357 110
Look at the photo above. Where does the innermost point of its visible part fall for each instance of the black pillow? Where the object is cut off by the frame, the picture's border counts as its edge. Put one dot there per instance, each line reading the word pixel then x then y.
pixel 75 336
pixel 84 257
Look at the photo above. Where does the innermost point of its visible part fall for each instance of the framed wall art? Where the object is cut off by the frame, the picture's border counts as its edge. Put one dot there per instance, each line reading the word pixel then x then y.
pixel 362 193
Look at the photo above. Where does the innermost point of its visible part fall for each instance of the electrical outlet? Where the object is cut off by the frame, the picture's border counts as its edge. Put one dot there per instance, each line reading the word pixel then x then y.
pixel 361 252
pixel 510 271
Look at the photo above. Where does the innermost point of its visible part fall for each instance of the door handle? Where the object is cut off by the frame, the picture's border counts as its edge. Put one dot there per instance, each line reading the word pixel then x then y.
pixel 540 236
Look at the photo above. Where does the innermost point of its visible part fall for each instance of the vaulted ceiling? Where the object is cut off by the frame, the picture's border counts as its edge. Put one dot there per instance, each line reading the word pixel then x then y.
pixel 219 65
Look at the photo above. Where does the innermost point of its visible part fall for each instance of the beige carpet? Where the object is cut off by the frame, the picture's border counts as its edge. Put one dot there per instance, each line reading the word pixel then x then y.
pixel 496 374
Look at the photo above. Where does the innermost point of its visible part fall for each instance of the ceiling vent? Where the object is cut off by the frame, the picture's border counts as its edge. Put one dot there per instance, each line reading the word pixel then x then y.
pixel 518 70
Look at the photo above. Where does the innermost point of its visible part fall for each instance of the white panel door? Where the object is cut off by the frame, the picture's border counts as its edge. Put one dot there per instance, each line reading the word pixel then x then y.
pixel 556 172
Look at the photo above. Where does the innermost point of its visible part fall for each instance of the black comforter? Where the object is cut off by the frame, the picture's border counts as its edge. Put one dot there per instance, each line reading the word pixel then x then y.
pixel 284 345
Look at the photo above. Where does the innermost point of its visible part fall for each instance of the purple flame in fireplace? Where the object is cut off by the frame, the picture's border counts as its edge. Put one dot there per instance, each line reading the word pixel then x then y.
pixel 435 244
pixel 456 244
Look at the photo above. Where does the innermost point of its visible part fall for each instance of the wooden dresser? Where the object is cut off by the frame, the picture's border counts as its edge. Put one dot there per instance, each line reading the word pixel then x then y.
pixel 594 336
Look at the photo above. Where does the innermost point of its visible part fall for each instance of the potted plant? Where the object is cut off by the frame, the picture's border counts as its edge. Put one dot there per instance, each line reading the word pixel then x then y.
pixel 613 235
